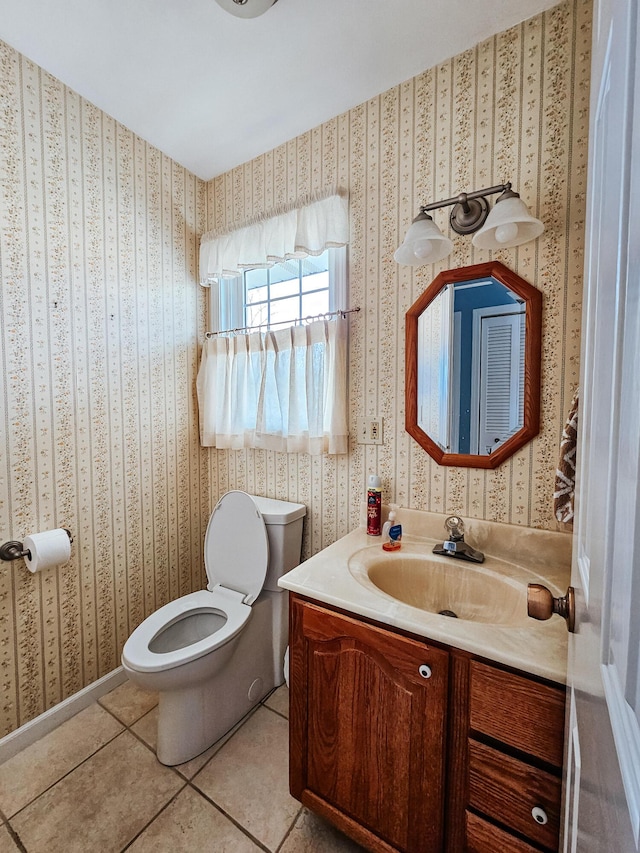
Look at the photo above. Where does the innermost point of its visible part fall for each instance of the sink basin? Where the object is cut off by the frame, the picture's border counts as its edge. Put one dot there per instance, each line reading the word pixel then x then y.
pixel 443 585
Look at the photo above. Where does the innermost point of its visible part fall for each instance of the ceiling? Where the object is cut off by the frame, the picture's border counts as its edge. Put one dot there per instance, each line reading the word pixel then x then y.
pixel 213 91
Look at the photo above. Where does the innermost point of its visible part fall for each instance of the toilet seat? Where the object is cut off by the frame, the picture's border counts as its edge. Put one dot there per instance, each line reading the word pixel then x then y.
pixel 236 546
pixel 138 656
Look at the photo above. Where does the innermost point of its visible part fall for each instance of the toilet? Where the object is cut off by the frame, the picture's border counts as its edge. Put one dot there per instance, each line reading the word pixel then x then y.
pixel 214 654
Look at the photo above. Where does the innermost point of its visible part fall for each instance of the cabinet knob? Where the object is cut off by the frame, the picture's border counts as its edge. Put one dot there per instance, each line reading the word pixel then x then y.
pixel 542 605
pixel 539 815
pixel 425 670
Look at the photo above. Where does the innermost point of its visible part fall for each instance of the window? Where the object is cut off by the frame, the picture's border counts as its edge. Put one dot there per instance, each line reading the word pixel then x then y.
pixel 280 382
pixel 280 295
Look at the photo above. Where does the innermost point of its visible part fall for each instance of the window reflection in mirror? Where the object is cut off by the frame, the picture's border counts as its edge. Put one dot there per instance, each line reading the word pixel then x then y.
pixel 473 365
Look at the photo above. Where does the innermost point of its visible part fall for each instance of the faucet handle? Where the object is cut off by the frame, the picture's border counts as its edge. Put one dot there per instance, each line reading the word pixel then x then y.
pixel 454 526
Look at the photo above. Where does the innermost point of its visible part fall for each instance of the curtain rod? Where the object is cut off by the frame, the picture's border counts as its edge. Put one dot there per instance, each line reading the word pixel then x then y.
pixel 342 313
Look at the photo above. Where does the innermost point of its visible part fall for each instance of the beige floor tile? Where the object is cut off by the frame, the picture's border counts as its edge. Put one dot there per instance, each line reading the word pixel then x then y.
pixel 192 823
pixel 249 778
pixel 36 768
pixel 279 701
pixel 147 728
pixel 312 834
pixel 7 844
pixel 102 804
pixel 128 703
pixel 190 768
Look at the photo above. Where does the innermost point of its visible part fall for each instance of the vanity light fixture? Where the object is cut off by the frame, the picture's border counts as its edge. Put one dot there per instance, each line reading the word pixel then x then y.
pixel 246 8
pixel 508 224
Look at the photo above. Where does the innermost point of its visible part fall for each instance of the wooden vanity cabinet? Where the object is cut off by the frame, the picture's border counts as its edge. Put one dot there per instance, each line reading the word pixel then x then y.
pixel 409 747
pixel 367 729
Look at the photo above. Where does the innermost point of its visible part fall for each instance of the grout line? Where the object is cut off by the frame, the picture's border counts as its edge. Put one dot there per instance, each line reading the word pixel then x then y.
pixel 122 722
pixel 290 830
pixel 148 746
pixel 230 818
pixel 157 815
pixel 68 773
pixel 16 838
pixel 275 711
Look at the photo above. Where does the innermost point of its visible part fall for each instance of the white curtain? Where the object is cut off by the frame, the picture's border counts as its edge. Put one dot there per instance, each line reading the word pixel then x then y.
pixel 283 390
pixel 308 229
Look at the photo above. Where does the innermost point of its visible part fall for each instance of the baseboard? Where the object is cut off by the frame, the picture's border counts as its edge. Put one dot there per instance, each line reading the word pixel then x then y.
pixel 32 731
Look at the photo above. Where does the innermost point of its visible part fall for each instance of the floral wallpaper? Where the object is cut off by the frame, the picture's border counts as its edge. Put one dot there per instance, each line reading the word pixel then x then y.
pixel 514 108
pixel 101 322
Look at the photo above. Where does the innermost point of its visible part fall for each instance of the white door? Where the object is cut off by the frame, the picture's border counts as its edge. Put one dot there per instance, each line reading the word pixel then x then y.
pixel 602 772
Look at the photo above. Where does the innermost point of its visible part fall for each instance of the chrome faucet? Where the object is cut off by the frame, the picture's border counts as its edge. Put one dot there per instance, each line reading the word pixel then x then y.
pixel 455 546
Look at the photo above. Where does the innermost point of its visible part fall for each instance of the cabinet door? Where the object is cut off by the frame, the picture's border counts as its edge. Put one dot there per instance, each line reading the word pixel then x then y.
pixel 370 707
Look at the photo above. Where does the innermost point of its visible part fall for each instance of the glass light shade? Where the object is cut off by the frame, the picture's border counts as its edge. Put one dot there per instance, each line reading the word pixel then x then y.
pixel 424 243
pixel 508 224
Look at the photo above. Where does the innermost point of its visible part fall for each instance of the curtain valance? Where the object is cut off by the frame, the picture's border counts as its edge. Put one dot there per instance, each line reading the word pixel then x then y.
pixel 307 229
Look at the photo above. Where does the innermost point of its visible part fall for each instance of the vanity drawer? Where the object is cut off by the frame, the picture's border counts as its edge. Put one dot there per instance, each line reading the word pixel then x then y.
pixel 484 837
pixel 538 726
pixel 508 790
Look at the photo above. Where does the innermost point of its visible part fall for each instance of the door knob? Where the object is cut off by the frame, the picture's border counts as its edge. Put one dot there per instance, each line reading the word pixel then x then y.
pixel 542 605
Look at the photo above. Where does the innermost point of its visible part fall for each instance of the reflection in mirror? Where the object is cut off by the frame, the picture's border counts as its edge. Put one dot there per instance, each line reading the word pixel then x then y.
pixel 473 365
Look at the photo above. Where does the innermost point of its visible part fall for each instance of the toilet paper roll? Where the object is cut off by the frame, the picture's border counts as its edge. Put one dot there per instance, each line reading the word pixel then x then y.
pixel 46 549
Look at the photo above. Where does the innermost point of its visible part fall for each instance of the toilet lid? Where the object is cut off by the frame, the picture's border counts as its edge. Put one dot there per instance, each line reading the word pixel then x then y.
pixel 236 547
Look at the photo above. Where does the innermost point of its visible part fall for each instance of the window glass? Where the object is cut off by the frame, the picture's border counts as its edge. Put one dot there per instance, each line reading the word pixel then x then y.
pixel 304 287
pixel 257 315
pixel 313 303
pixel 283 311
pixel 279 289
pixel 256 278
pixel 287 271
pixel 257 294
pixel 287 292
pixel 318 281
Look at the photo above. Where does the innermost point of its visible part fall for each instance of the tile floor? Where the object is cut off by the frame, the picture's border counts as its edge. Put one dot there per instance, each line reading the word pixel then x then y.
pixel 94 785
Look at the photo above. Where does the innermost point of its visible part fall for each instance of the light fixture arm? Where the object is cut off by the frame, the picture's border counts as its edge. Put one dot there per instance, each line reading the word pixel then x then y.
pixel 470 210
pixel 463 199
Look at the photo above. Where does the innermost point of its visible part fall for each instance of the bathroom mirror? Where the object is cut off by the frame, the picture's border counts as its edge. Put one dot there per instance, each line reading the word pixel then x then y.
pixel 473 365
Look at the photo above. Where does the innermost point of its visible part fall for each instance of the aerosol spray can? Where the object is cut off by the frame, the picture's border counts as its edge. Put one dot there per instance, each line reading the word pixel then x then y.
pixel 374 506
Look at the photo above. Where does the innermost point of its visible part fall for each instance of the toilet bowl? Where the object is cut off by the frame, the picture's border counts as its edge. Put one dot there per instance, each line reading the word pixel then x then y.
pixel 213 654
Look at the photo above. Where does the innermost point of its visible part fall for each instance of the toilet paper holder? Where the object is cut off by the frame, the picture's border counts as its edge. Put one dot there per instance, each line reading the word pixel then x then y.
pixel 13 550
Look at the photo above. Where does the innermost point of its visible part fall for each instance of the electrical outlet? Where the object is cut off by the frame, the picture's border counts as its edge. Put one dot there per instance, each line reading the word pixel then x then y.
pixel 370 431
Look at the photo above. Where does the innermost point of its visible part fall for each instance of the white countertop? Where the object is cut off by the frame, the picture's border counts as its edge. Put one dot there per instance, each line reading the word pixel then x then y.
pixel 521 555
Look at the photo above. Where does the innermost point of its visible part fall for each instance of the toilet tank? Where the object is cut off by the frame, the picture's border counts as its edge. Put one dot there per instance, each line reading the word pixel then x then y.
pixel 283 521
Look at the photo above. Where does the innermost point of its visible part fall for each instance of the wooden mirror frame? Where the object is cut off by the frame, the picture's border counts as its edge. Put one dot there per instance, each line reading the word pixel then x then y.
pixel 533 342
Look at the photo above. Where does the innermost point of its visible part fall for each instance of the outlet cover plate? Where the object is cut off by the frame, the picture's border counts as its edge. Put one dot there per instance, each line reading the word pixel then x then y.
pixel 370 430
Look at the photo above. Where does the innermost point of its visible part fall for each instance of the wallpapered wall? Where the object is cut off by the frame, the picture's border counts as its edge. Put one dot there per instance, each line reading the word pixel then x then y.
pixel 513 108
pixel 101 322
